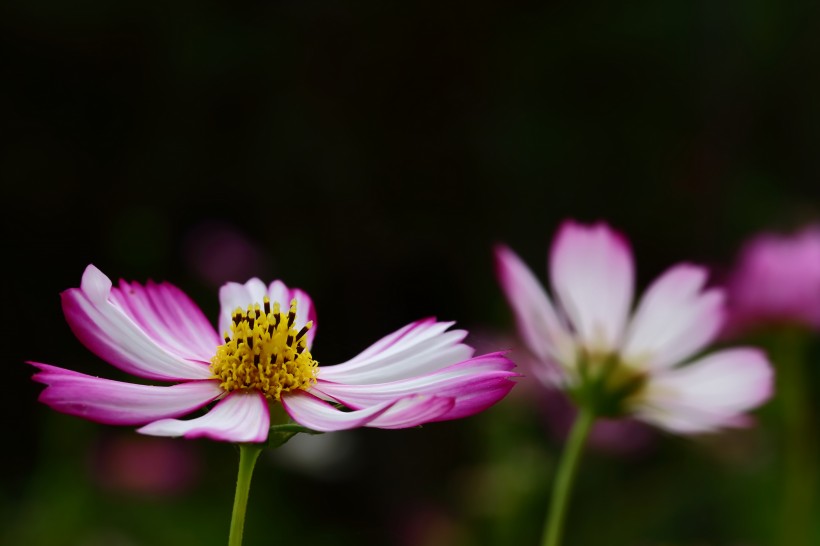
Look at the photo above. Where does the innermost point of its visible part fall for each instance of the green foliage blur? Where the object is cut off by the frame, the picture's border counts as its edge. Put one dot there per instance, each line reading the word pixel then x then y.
pixel 372 153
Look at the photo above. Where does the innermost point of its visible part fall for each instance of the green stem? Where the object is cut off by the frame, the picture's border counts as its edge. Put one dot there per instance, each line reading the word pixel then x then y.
pixel 562 486
pixel 248 453
pixel 800 447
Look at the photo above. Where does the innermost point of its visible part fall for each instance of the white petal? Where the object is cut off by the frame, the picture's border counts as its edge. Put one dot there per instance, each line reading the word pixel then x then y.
pixel 538 323
pixel 419 348
pixel 102 325
pixel 674 320
pixel 233 295
pixel 708 394
pixel 593 277
pixel 316 414
pixel 169 317
pixel 239 417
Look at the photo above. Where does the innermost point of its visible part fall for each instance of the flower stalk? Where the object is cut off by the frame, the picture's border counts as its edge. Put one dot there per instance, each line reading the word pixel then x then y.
pixel 562 487
pixel 248 453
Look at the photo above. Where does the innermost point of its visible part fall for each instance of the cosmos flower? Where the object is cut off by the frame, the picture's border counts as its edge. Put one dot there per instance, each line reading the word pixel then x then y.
pixel 418 374
pixel 776 279
pixel 640 362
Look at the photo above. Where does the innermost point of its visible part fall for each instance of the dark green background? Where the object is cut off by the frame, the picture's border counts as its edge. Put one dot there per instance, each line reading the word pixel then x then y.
pixel 372 153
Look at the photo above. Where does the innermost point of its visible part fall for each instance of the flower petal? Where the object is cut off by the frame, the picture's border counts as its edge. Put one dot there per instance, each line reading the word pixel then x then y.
pixel 102 324
pixel 311 412
pixel 418 348
pixel 475 384
pixel 593 276
pixel 708 394
pixel 674 319
pixel 119 403
pixel 233 295
pixel 538 323
pixel 239 417
pixel 169 316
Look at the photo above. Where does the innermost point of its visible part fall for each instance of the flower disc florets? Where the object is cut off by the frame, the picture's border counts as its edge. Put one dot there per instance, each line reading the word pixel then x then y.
pixel 263 351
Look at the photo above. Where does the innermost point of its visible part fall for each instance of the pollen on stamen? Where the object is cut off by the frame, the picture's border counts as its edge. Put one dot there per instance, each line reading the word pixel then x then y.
pixel 264 352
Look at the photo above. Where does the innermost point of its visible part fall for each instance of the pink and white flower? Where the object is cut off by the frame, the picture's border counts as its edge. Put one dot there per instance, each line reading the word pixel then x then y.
pixel 418 374
pixel 591 342
pixel 776 280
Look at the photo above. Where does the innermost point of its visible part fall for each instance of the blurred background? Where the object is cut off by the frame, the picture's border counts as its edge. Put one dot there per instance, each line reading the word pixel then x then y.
pixel 372 154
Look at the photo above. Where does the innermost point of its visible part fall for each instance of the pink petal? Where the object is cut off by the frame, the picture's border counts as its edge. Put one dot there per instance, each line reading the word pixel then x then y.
pixel 710 393
pixel 233 295
pixel 593 276
pixel 777 279
pixel 674 320
pixel 305 310
pixel 172 320
pixel 313 413
pixel 475 384
pixel 538 323
pixel 238 418
pixel 118 403
pixel 421 347
pixel 101 323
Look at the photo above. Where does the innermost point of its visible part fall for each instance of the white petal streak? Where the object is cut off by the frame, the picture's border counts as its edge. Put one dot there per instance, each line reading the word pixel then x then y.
pixel 119 403
pixel 110 333
pixel 593 275
pixel 239 417
pixel 311 412
pixel 233 295
pixel 420 350
pixel 455 380
pixel 710 393
pixel 537 321
pixel 165 313
pixel 674 320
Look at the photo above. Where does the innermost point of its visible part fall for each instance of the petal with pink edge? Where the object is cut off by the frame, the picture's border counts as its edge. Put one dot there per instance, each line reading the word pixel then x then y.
pixel 233 295
pixel 311 412
pixel 538 323
pixel 239 417
pixel 169 317
pixel 674 319
pixel 110 332
pixel 119 403
pixel 419 348
pixel 708 394
pixel 593 276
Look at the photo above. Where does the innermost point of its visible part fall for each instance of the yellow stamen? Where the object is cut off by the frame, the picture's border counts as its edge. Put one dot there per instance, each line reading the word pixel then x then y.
pixel 264 351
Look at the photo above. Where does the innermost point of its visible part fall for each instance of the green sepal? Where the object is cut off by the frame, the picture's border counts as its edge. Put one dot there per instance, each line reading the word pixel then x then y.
pixel 280 434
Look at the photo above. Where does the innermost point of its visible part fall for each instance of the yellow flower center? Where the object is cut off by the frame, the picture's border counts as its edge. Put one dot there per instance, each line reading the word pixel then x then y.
pixel 263 351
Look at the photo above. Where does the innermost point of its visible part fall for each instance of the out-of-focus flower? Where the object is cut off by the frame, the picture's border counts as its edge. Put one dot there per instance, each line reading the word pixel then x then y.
pixel 145 466
pixel 628 363
pixel 418 374
pixel 217 252
pixel 623 437
pixel 776 279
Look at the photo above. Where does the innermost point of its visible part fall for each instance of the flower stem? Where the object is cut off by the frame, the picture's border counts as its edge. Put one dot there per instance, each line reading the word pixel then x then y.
pixel 562 487
pixel 248 453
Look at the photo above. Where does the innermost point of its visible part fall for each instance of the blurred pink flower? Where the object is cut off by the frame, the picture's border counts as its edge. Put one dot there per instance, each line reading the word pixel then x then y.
pixel 418 374
pixel 594 346
pixel 623 436
pixel 217 252
pixel 145 466
pixel 776 278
